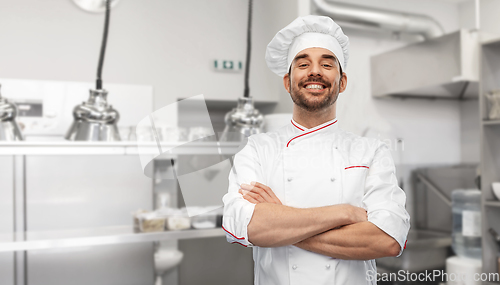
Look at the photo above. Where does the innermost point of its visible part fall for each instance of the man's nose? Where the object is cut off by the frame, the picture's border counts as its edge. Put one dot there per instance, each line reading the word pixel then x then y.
pixel 315 70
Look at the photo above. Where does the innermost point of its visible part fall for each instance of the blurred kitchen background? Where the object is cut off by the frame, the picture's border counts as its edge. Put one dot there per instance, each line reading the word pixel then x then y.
pixel 104 206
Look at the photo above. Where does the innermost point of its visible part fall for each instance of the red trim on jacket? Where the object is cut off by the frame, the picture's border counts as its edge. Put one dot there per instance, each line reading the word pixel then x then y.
pixel 296 126
pixel 310 132
pixel 232 234
pixel 356 166
pixel 239 243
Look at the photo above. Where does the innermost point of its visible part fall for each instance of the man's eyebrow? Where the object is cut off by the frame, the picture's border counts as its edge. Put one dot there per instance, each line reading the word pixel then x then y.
pixel 305 55
pixel 329 56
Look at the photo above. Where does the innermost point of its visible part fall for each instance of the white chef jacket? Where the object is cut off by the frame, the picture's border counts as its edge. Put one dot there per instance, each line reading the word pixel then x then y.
pixel 315 167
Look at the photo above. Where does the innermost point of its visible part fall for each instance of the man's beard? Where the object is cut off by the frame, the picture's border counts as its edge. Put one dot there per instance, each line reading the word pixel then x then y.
pixel 302 100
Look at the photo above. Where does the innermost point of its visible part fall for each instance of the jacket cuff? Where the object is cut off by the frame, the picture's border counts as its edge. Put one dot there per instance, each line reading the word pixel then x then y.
pixel 392 224
pixel 236 224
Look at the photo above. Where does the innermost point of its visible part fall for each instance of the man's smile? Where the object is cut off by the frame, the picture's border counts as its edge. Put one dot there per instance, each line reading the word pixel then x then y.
pixel 314 87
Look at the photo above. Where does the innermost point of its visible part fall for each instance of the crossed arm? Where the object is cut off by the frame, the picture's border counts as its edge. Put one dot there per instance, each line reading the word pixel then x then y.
pixel 340 231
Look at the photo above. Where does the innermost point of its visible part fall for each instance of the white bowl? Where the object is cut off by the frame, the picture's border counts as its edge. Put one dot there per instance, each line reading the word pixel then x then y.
pixel 167 259
pixel 496 189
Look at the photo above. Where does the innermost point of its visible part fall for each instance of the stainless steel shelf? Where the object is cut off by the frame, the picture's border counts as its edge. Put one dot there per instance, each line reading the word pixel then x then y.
pixel 492 203
pixel 489 40
pixel 98 236
pixel 114 148
pixel 491 122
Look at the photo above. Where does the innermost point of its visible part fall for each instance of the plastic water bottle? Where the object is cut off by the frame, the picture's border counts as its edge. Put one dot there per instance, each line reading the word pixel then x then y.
pixel 466 234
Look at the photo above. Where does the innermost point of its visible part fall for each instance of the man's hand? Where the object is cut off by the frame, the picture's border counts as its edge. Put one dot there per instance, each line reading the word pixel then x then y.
pixel 258 193
pixel 356 214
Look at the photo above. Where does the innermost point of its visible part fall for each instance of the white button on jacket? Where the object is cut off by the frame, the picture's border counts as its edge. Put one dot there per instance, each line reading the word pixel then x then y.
pixel 325 166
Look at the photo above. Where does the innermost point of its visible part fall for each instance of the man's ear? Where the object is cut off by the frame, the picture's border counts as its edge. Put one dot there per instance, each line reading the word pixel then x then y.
pixel 343 82
pixel 286 82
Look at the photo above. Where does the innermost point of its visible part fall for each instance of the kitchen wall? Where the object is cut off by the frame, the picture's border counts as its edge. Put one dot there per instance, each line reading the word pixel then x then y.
pixel 488 15
pixel 470 128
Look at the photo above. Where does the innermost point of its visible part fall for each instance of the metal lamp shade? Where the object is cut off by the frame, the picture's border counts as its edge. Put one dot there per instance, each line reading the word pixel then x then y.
pixel 94 6
pixel 242 122
pixel 9 129
pixel 95 120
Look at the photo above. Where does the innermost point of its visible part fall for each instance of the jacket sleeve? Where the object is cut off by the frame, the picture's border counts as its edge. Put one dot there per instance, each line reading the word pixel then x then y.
pixel 384 200
pixel 238 211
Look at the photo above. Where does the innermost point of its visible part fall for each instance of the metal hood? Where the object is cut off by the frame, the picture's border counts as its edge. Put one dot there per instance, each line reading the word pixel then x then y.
pixel 442 67
pixel 369 17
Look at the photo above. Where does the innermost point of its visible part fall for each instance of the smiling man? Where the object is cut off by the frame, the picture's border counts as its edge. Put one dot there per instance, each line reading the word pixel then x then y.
pixel 316 203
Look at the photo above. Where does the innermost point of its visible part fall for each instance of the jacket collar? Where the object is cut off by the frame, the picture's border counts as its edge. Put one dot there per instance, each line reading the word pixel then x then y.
pixel 330 125
pixel 299 132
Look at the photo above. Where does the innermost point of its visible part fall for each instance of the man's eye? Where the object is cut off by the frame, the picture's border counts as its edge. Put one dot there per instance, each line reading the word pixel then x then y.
pixel 303 65
pixel 327 65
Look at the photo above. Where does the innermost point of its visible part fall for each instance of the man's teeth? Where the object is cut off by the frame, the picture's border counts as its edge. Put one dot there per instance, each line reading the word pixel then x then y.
pixel 314 86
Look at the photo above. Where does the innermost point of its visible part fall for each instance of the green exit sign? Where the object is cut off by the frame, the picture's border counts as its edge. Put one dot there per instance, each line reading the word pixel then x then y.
pixel 228 65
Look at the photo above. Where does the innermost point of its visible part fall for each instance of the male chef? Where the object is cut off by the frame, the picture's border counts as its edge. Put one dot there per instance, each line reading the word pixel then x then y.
pixel 316 203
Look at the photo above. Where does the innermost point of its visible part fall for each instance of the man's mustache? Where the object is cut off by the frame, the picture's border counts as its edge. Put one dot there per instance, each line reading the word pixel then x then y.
pixel 315 79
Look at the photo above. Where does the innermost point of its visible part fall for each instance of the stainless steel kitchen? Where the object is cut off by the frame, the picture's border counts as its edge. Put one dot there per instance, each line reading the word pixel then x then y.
pixel 165 142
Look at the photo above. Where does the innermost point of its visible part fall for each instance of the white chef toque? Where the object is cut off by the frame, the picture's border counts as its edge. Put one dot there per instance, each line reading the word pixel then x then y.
pixel 306 32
